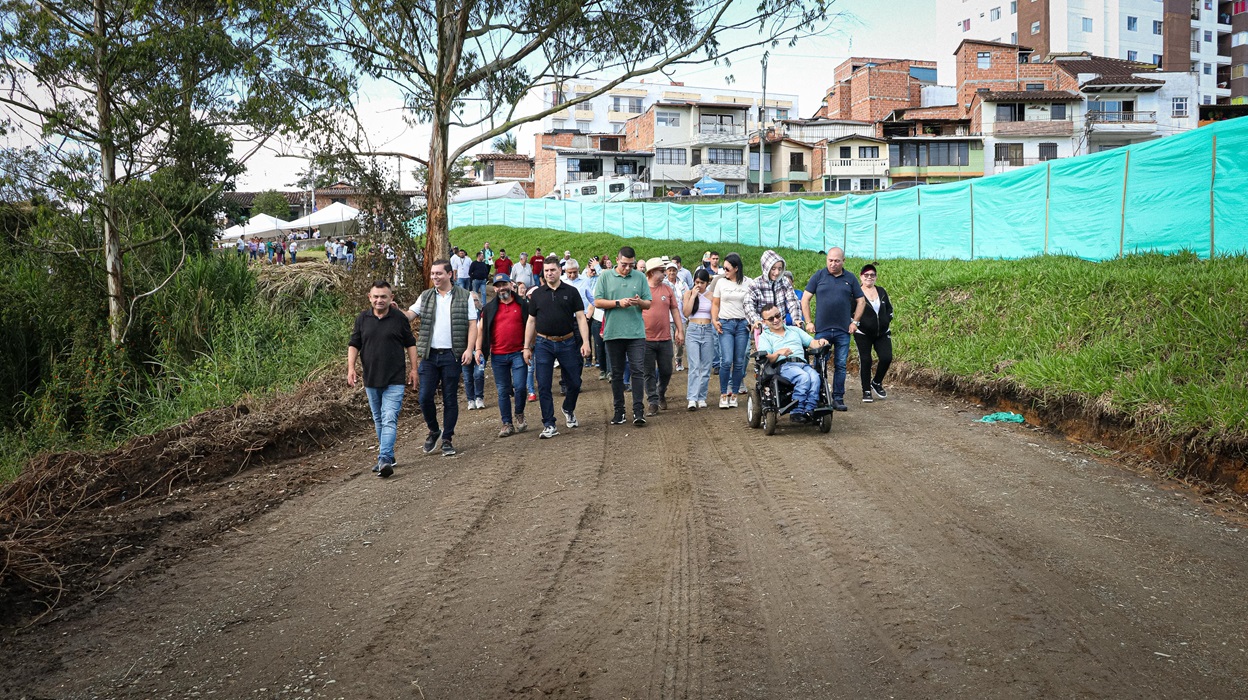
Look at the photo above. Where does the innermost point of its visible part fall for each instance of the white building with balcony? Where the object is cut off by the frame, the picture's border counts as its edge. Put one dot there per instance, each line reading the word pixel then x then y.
pixel 693 140
pixel 855 163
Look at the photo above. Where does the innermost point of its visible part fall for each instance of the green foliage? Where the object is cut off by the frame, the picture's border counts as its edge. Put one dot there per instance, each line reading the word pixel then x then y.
pixel 505 143
pixel 272 203
pixel 1157 338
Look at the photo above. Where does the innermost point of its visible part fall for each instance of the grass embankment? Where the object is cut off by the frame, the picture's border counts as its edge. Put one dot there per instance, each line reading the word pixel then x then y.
pixel 1156 340
pixel 217 334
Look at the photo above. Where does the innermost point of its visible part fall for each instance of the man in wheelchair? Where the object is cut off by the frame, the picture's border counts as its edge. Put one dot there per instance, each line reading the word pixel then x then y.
pixel 781 350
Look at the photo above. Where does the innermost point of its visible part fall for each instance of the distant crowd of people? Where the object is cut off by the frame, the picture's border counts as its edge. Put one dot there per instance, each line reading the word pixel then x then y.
pixel 636 320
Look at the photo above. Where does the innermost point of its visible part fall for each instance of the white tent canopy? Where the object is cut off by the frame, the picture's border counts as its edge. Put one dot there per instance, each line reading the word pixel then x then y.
pixel 502 190
pixel 260 225
pixel 333 219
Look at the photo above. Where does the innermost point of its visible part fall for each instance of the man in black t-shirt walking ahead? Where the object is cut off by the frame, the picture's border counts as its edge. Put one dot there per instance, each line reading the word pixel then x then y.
pixel 556 326
pixel 381 337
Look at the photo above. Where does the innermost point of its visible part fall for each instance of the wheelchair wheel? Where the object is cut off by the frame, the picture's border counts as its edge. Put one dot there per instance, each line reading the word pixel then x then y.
pixel 753 411
pixel 825 423
pixel 770 419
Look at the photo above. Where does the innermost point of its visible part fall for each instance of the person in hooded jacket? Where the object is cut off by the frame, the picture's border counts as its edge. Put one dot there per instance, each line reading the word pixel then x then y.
pixel 872 333
pixel 772 287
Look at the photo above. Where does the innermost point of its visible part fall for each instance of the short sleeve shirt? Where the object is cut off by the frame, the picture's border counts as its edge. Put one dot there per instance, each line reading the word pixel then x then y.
pixel 659 316
pixel 731 297
pixel 554 310
pixel 794 339
pixel 834 299
pixel 381 342
pixel 620 324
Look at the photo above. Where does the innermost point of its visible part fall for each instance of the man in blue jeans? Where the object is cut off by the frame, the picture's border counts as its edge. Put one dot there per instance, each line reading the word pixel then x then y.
pixel 501 340
pixel 448 333
pixel 381 338
pixel 555 330
pixel 838 306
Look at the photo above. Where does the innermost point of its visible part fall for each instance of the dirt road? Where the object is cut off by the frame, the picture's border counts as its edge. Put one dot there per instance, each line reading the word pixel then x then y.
pixel 911 553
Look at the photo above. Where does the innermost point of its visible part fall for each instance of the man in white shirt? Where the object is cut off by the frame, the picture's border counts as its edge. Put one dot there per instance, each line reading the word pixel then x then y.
pixel 460 264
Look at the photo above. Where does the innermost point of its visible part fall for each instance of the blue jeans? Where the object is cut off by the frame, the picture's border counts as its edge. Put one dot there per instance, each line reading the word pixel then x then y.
pixel 509 375
pixel 385 403
pixel 805 380
pixel 464 282
pixel 840 356
pixel 733 345
pixel 478 286
pixel 441 369
pixel 568 352
pixel 700 341
pixel 474 381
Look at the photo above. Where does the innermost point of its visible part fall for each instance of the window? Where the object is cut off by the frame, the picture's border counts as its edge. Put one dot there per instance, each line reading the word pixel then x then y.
pixel 1239 7
pixel 966 25
pixel 1239 39
pixel 1208 69
pixel 844 184
pixel 1133 55
pixel 589 189
pixel 696 159
pixel 983 60
pixel 608 143
pixel 780 114
pixel 1157 27
pixel 1178 107
pixel 1014 7
pixel 797 161
pixel 1208 36
pixel 617 128
pixel 724 156
pixel 557 123
pixel 1157 60
pixel 994 14
pixel 910 154
pixel 616 187
pixel 670 156
pixel 582 127
pixel 1087 24
pixel 1035 27
pixel 868 151
pixel 625 167
pixel 1010 112
pixel 631 105
pixel 667 118
pixel 1035 87
pixel 1048 151
pixel 868 184
pixel 1237 71
pixel 1009 154
pixel 847 152
pixel 1206 100
pixel 716 124
pixel 1013 37
pixel 1057 111
pixel 731 189
pixel 1133 24
pixel 754 161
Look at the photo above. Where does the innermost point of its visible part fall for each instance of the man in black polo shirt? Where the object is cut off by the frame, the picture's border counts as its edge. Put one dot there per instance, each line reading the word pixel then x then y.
pixel 380 338
pixel 556 326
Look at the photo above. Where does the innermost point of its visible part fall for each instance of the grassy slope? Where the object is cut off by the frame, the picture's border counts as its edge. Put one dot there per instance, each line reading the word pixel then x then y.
pixel 1157 338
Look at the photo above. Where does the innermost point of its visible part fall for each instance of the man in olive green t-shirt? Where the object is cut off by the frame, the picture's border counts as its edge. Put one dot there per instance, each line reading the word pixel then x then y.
pixel 624 293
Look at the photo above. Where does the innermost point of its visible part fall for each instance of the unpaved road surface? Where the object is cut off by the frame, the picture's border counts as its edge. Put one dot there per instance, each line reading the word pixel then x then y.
pixel 911 553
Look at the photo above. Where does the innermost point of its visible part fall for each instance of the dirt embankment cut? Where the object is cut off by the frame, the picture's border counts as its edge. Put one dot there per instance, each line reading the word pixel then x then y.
pixel 73 525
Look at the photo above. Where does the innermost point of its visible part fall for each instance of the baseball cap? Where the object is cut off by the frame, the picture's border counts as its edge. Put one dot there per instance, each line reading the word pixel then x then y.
pixel 671 266
pixel 502 278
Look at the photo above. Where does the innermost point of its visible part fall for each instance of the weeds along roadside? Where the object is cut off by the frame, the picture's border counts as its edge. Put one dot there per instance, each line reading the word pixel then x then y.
pixel 1158 339
pixel 212 337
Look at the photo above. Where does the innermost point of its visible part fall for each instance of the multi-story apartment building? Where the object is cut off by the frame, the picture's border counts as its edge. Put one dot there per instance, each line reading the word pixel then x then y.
pixel 607 113
pixel 565 156
pixel 693 140
pixel 868 89
pixel 806 155
pixel 1208 38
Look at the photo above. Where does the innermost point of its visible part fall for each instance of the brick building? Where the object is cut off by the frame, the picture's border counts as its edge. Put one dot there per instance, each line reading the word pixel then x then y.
pixel 869 89
pixel 565 156
pixel 492 168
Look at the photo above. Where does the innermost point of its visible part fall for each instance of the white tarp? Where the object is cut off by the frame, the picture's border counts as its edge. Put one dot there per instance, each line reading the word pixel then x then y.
pixel 502 190
pixel 260 225
pixel 333 219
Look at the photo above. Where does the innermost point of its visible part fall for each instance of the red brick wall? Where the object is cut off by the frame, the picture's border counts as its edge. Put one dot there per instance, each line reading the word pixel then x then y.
pixel 639 132
pixel 512 169
pixel 1005 73
pixel 544 161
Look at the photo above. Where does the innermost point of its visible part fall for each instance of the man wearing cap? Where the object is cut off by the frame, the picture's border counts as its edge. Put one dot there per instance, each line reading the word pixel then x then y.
pixel 501 340
pixel 555 327
pixel 624 293
pixel 663 323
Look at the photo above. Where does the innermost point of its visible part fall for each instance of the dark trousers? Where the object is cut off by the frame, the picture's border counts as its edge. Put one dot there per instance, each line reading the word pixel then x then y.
pixel 634 349
pixel 883 349
pixel 658 368
pixel 441 369
pixel 568 352
pixel 600 352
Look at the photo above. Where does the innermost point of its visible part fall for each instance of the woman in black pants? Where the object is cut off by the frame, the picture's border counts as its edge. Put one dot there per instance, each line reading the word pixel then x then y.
pixel 872 332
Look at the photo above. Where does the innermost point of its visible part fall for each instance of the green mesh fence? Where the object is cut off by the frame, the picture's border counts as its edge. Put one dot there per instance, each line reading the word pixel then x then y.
pixel 1184 192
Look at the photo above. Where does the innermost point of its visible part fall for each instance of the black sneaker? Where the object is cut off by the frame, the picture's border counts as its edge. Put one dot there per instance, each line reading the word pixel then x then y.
pixel 431 441
pixel 618 419
pixel 839 405
pixel 653 410
pixel 878 388
pixel 377 467
pixel 387 468
pixel 638 419
pixel 448 450
pixel 799 418
pixel 866 396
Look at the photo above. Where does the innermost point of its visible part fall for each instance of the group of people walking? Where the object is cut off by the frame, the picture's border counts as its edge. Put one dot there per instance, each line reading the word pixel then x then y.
pixel 631 318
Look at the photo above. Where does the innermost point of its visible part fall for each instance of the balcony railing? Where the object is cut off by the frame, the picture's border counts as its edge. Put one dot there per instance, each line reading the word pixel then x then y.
pixel 1195 45
pixel 721 129
pixel 1099 117
pixel 1019 162
pixel 580 177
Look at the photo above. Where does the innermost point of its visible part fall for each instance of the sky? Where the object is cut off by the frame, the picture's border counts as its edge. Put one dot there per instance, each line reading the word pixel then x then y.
pixel 875 28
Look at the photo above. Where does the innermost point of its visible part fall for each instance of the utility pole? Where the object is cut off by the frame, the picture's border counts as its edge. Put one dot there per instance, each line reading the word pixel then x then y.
pixel 762 128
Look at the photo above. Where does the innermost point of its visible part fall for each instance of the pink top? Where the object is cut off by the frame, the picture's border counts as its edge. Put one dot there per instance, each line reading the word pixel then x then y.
pixel 704 308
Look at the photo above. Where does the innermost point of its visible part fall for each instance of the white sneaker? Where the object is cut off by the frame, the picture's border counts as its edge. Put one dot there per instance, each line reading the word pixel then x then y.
pixel 701 403
pixel 549 432
pixel 723 402
pixel 732 401
pixel 472 404
pixel 480 403
pixel 569 419
pixel 693 405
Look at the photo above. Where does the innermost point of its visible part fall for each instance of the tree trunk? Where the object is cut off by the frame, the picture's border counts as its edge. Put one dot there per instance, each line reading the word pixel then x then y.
pixel 108 178
pixel 437 241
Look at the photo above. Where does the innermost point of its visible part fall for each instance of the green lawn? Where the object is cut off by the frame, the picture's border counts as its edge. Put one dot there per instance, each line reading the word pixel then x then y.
pixel 1160 339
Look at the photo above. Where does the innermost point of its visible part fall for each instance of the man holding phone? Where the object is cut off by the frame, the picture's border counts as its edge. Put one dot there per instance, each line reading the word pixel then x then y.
pixel 623 294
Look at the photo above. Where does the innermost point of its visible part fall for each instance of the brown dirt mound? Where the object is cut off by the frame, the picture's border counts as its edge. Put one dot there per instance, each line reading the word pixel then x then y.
pixel 73 523
pixel 1188 457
